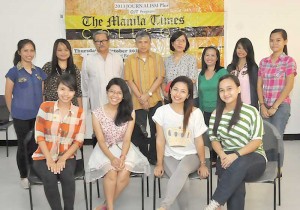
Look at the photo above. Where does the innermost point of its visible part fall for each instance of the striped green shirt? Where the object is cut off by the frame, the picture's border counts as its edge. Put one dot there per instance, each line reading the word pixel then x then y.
pixel 248 128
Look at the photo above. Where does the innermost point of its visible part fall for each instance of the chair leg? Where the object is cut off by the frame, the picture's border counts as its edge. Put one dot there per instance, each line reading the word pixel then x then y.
pixel 85 195
pixel 30 197
pixel 98 191
pixel 207 193
pixel 6 143
pixel 279 190
pixel 154 192
pixel 211 183
pixel 274 194
pixel 143 204
pixel 148 186
pixel 159 190
pixel 91 199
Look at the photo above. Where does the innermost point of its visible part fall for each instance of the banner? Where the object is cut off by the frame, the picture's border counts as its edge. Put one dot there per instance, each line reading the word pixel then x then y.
pixel 201 20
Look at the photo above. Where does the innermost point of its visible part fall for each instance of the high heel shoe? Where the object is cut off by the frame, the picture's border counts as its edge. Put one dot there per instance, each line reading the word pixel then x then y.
pixel 101 207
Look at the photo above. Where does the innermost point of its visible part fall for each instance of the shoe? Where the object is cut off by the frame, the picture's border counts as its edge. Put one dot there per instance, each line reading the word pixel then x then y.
pixel 24 183
pixel 101 207
pixel 161 208
pixel 214 205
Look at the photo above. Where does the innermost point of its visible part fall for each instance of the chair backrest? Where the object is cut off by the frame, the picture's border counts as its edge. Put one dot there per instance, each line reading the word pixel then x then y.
pixel 273 143
pixel 207 144
pixel 4 113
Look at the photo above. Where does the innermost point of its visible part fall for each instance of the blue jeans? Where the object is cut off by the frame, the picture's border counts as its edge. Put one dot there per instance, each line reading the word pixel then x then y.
pixel 280 118
pixel 231 181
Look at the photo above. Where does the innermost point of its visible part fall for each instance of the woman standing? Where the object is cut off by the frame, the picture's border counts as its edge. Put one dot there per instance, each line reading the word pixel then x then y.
pixel 180 64
pixel 236 131
pixel 62 62
pixel 24 95
pixel 180 147
pixel 59 132
pixel 244 67
pixel 276 81
pixel 208 81
pixel 114 157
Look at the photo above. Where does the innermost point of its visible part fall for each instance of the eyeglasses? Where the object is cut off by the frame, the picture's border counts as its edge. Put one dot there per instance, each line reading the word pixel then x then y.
pixel 112 92
pixel 101 41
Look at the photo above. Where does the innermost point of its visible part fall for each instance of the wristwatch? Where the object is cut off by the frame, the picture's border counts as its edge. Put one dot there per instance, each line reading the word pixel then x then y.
pixel 237 153
pixel 150 93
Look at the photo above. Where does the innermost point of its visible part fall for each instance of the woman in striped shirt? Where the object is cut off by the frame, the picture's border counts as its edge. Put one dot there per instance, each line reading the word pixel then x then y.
pixel 236 131
pixel 59 132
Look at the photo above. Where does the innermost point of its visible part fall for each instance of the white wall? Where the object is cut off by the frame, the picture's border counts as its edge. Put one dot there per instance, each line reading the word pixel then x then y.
pixel 41 21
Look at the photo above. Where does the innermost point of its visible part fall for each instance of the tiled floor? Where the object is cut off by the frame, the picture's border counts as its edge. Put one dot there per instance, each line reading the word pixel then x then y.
pixel 259 196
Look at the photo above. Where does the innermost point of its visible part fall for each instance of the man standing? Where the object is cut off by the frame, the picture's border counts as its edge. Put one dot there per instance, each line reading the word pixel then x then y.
pixel 98 69
pixel 144 73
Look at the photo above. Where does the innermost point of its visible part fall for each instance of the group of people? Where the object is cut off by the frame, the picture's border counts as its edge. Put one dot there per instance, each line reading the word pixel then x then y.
pixel 177 102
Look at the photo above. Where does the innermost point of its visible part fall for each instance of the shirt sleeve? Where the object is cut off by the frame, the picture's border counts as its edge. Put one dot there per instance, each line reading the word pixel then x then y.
pixel 80 129
pixel 39 128
pixel 158 116
pixel 193 73
pixel 259 74
pixel 211 135
pixel 42 74
pixel 161 70
pixel 291 67
pixel 12 74
pixel 199 124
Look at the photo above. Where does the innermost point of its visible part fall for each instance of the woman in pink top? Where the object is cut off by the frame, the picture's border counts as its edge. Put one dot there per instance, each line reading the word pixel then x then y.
pixel 276 81
pixel 243 66
pixel 114 157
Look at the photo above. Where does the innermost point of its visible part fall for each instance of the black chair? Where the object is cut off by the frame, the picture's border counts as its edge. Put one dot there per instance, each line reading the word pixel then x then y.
pixel 35 180
pixel 273 145
pixel 4 120
pixel 192 176
pixel 132 175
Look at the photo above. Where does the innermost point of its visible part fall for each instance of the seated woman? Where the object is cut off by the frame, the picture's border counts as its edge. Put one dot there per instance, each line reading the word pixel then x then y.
pixel 114 157
pixel 59 132
pixel 179 143
pixel 236 131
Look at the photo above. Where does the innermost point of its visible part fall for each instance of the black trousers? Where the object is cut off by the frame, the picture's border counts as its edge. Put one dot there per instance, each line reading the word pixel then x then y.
pixel 138 138
pixel 22 127
pixel 66 178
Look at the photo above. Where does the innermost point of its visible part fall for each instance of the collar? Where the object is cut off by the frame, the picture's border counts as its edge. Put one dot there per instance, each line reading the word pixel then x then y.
pixel 150 54
pixel 71 110
pixel 20 66
pixel 282 55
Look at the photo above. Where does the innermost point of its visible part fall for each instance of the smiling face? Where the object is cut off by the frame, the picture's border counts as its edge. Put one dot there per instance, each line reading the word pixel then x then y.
pixel 27 53
pixel 114 95
pixel 277 42
pixel 240 51
pixel 62 52
pixel 65 94
pixel 179 44
pixel 210 57
pixel 179 92
pixel 229 91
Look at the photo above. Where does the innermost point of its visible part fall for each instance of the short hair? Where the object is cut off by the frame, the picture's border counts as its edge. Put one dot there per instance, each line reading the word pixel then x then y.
pixel 68 80
pixel 142 34
pixel 175 36
pixel 100 32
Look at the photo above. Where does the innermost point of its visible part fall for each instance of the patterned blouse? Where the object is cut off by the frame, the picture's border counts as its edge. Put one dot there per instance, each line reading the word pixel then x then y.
pixel 50 89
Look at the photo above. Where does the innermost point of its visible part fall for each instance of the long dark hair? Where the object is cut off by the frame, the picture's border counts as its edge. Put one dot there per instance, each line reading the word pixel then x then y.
pixel 204 65
pixel 175 36
pixel 70 63
pixel 250 59
pixel 189 102
pixel 284 36
pixel 125 107
pixel 21 44
pixel 221 105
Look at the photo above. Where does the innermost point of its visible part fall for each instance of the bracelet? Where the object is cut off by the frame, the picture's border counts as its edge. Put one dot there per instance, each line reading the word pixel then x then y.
pixel 123 156
pixel 273 108
pixel 202 162
pixel 237 153
pixel 260 104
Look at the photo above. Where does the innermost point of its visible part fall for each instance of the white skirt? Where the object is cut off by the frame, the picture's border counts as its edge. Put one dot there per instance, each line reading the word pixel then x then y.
pixel 99 164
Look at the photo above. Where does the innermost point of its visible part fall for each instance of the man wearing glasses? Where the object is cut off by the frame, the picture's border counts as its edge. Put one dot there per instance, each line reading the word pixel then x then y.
pixel 98 69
